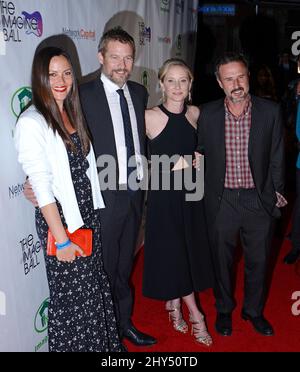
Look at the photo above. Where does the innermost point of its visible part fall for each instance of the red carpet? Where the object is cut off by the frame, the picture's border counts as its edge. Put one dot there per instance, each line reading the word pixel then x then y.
pixel 150 316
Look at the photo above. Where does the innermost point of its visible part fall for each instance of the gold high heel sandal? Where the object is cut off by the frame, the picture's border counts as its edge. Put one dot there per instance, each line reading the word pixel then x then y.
pixel 200 332
pixel 175 315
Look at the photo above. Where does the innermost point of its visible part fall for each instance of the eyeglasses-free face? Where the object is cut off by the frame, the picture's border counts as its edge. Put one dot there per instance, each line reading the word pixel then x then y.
pixel 60 78
pixel 234 80
pixel 176 83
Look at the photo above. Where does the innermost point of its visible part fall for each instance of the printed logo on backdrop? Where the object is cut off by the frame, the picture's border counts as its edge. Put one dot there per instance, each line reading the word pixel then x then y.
pixel 41 323
pixel 2 44
pixel 179 45
pixel 193 10
pixel 179 6
pixel 30 253
pixel 41 317
pixel 17 22
pixel 15 191
pixel 165 6
pixel 164 39
pixel 296 44
pixel 145 79
pixel 2 304
pixel 144 33
pixel 80 34
pixel 20 100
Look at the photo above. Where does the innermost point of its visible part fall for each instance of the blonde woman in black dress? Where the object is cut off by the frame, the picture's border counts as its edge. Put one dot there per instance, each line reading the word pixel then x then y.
pixel 177 259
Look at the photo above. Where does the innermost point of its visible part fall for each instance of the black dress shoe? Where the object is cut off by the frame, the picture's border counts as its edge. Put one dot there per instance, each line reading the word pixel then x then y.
pixel 260 324
pixel 292 256
pixel 224 324
pixel 138 338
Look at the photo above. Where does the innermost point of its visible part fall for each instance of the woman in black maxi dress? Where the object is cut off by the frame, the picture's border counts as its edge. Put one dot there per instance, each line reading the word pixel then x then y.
pixel 177 257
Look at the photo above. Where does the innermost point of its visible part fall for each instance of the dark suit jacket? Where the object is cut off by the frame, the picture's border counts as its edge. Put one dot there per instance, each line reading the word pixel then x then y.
pixel 265 153
pixel 97 114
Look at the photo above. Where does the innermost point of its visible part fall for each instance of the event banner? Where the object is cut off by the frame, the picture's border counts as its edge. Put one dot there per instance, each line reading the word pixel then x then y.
pixel 161 29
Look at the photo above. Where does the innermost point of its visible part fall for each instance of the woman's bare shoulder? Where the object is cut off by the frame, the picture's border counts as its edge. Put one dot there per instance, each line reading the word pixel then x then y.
pixel 155 121
pixel 153 111
pixel 194 112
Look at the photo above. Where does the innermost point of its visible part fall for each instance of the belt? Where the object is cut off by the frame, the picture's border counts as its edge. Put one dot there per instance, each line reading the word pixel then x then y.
pixel 240 190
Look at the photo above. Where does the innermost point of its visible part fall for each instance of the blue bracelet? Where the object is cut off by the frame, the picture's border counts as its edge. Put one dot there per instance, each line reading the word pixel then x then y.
pixel 63 245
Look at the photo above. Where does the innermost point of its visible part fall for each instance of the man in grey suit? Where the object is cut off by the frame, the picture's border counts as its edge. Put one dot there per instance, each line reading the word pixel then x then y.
pixel 241 139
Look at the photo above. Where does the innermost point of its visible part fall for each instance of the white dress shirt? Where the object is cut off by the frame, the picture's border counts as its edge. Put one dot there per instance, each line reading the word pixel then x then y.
pixel 113 99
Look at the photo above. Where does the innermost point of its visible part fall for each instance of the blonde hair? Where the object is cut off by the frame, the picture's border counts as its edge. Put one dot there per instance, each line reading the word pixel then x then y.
pixel 173 62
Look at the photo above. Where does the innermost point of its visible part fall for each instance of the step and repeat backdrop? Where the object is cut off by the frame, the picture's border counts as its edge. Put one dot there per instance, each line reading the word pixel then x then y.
pixel 161 28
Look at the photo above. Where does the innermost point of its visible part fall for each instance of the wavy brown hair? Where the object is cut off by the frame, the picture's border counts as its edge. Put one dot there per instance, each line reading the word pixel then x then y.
pixel 116 34
pixel 43 99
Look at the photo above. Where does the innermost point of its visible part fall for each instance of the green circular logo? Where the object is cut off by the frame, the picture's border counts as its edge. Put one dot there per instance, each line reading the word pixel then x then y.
pixel 41 317
pixel 20 100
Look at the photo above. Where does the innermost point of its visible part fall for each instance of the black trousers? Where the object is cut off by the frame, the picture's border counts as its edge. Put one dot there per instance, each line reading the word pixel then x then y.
pixel 241 215
pixel 121 222
pixel 296 215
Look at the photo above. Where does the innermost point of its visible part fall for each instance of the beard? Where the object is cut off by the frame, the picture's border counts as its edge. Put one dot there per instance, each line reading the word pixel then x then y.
pixel 120 80
pixel 240 98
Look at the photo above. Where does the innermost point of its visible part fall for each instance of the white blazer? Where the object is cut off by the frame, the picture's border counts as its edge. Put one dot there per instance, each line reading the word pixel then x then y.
pixel 44 158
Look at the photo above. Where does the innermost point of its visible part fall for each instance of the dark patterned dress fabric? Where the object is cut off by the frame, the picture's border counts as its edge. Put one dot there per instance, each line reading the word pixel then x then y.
pixel 81 312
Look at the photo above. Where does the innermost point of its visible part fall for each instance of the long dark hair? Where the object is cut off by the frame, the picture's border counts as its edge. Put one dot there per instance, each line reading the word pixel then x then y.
pixel 43 99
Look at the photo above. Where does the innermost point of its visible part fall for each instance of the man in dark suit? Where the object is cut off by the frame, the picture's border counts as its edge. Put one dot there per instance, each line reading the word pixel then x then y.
pixel 241 139
pixel 102 106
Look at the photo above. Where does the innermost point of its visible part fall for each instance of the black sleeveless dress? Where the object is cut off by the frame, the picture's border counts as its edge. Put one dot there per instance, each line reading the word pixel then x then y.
pixel 177 258
pixel 81 313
